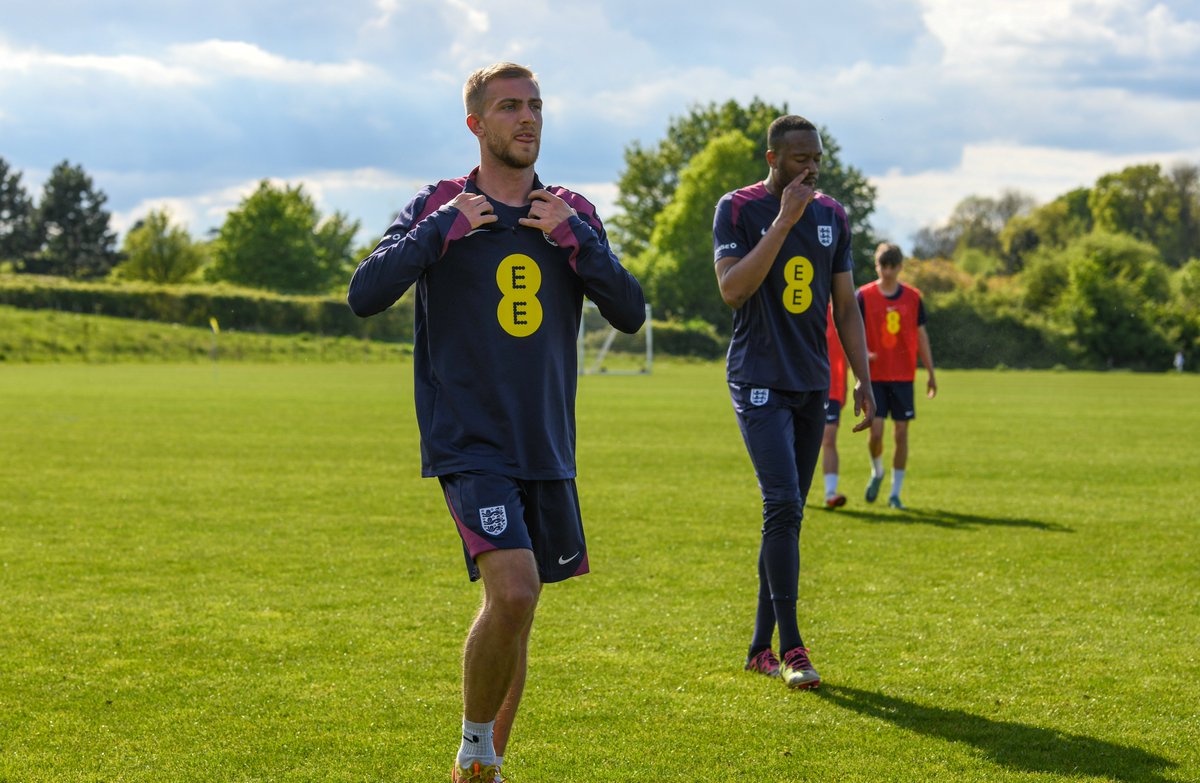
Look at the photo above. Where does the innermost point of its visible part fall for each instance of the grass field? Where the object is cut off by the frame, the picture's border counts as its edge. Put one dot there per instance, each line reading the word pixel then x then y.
pixel 235 574
pixel 37 336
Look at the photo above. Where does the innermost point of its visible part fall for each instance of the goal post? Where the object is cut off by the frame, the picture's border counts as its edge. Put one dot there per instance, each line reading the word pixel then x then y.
pixel 603 350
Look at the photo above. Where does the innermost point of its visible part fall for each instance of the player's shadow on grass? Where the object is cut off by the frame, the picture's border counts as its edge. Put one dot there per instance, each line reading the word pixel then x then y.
pixel 1009 744
pixel 949 519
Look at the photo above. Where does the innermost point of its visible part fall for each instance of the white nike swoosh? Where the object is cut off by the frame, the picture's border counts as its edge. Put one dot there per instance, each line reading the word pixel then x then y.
pixel 561 561
pixel 473 231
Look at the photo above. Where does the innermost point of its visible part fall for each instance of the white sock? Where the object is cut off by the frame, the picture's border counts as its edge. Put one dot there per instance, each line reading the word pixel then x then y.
pixel 877 466
pixel 897 482
pixel 499 763
pixel 476 744
pixel 830 484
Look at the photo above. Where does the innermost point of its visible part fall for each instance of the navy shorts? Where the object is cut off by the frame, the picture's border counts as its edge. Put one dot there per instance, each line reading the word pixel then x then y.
pixel 500 512
pixel 894 399
pixel 783 432
pixel 833 412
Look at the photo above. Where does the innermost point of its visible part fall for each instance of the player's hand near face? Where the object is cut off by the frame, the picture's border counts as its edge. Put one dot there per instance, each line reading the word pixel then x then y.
pixel 794 199
pixel 864 405
pixel 546 211
pixel 476 207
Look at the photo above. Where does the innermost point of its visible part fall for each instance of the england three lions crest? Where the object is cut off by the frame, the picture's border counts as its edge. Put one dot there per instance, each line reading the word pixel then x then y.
pixel 493 519
pixel 825 235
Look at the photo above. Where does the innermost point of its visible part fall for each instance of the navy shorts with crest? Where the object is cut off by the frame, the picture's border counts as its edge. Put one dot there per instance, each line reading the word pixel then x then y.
pixel 492 511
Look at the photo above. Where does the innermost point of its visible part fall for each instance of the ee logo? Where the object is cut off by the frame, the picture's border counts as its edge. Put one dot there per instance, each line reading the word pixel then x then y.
pixel 798 275
pixel 519 278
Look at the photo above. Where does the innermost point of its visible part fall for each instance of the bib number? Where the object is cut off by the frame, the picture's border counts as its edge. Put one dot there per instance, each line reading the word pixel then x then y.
pixel 891 328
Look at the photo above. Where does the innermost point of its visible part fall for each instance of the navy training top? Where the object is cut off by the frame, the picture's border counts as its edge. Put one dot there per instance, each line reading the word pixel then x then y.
pixel 779 332
pixel 496 317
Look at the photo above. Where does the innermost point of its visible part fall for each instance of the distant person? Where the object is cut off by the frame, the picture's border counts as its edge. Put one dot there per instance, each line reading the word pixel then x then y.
pixel 833 413
pixel 1179 361
pixel 501 264
pixel 895 321
pixel 782 250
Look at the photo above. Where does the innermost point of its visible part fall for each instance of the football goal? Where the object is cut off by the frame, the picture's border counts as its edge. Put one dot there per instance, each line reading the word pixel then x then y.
pixel 604 350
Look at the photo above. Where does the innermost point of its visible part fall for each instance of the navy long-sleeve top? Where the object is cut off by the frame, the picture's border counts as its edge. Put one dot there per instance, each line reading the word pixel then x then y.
pixel 496 316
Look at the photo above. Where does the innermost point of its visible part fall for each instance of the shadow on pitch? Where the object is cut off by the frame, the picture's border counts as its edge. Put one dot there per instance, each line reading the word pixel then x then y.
pixel 949 519
pixel 1013 745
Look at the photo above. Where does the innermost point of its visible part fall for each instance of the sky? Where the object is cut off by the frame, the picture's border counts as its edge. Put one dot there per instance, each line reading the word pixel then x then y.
pixel 188 105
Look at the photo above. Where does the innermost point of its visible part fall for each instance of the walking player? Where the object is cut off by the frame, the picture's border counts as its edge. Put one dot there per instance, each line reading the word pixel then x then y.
pixel 895 321
pixel 782 249
pixel 501 264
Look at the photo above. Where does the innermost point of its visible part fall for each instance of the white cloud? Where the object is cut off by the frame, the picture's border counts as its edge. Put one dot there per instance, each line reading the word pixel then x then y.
pixel 387 9
pixel 184 65
pixel 1030 36
pixel 240 59
pixel 34 63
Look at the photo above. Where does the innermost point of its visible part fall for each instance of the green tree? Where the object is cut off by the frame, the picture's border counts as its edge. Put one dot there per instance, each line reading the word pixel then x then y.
pixel 335 247
pixel 972 234
pixel 1050 226
pixel 1117 288
pixel 18 235
pixel 651 175
pixel 1144 203
pixel 74 227
pixel 1043 280
pixel 275 239
pixel 159 252
pixel 1185 178
pixel 677 267
pixel 1183 313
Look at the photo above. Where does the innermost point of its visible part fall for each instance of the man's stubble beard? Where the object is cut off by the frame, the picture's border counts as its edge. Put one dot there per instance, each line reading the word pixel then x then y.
pixel 500 151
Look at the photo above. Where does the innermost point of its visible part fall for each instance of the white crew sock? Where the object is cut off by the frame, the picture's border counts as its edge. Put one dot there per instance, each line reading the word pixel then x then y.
pixel 877 466
pixel 476 744
pixel 499 763
pixel 897 481
pixel 831 480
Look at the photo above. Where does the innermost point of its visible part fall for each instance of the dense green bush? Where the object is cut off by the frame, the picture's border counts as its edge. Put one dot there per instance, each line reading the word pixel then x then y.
pixel 193 305
pixel 695 338
pixel 969 330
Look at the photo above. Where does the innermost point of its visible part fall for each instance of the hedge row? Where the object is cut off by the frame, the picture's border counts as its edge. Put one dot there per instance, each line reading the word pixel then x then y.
pixel 966 334
pixel 234 308
pixel 964 331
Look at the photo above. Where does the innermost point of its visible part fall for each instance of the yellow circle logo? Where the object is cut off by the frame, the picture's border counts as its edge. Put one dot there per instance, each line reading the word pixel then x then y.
pixel 798 276
pixel 519 312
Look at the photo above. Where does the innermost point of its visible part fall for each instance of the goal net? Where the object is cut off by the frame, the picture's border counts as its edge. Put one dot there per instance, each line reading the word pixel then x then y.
pixel 604 350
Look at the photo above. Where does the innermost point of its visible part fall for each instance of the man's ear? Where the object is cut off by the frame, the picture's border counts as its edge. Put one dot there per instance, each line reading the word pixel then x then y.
pixel 475 125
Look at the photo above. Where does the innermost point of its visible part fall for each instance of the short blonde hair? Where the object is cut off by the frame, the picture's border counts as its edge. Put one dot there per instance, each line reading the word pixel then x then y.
pixel 477 82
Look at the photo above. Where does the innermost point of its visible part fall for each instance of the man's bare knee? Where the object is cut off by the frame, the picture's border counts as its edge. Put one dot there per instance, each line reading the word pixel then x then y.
pixel 511 586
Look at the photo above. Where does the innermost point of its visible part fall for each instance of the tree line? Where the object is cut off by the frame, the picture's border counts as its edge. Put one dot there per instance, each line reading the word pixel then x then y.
pixel 1104 276
pixel 275 239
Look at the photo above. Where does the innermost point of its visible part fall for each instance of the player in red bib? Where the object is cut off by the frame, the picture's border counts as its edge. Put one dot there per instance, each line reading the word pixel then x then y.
pixel 894 317
pixel 833 412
